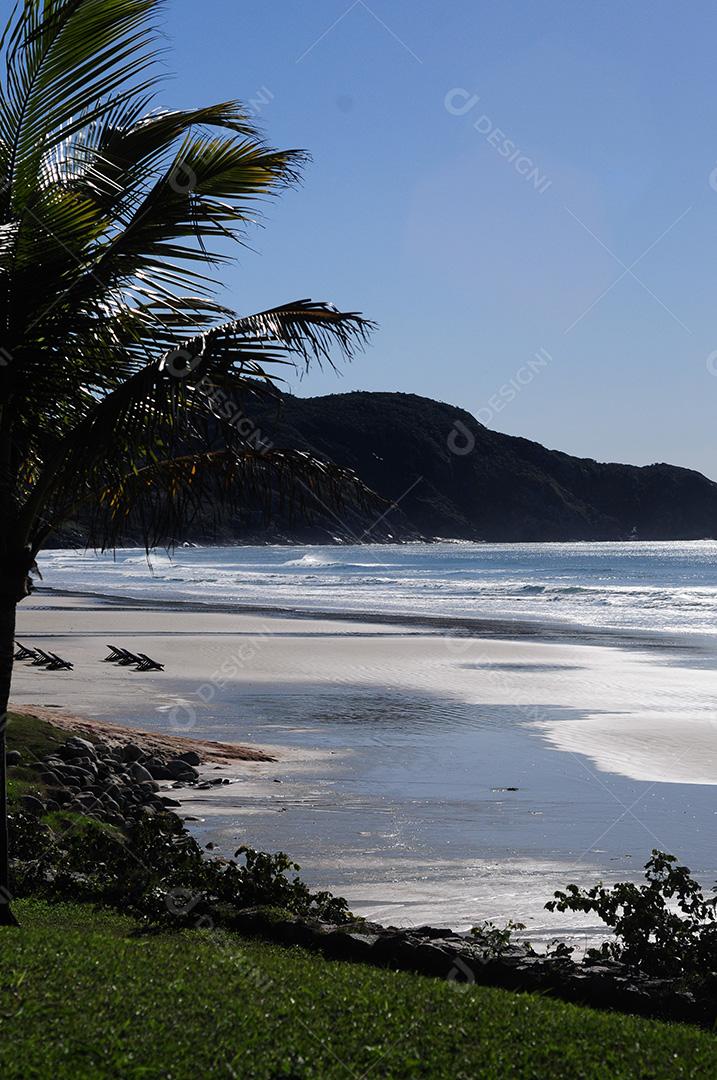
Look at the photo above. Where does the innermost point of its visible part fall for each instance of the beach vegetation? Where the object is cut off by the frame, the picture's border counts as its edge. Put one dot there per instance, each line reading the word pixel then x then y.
pixel 156 870
pixel 665 926
pixel 494 939
pixel 149 865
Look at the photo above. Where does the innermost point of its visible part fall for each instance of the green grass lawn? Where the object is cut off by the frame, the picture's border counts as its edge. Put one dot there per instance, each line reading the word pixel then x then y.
pixel 81 995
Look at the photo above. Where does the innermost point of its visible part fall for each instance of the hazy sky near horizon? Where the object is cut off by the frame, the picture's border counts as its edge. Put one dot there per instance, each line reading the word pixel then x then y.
pixel 492 181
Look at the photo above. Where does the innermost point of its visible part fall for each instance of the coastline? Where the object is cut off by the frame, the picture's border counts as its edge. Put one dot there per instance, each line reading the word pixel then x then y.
pixel 479 627
pixel 413 770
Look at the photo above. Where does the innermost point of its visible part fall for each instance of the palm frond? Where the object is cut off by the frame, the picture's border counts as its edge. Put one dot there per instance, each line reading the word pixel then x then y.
pixel 124 367
pixel 67 63
pixel 167 404
pixel 163 499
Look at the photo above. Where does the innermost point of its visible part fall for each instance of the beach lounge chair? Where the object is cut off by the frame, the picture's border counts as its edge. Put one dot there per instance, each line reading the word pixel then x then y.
pixel 59 664
pixel 128 658
pixel 148 664
pixel 41 658
pixel 23 653
pixel 51 661
pixel 115 654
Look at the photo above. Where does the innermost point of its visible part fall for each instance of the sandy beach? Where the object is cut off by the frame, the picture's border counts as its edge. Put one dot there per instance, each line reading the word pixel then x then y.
pixel 426 775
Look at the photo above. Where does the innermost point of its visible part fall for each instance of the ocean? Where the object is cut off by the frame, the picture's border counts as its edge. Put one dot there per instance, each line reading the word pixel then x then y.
pixel 659 586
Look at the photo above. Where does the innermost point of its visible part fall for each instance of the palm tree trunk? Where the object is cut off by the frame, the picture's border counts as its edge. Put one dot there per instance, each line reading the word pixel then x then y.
pixel 7 641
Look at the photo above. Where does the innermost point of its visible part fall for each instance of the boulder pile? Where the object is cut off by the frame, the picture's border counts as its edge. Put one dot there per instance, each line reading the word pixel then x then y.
pixel 115 784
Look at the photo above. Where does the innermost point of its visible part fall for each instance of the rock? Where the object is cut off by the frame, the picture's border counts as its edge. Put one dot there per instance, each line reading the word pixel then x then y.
pixel 14 757
pixel 159 771
pixel 82 775
pixel 180 770
pixel 87 763
pixel 33 805
pixel 157 767
pixel 86 798
pixel 130 752
pixel 190 756
pixel 352 946
pixel 84 745
pixel 51 779
pixel 431 932
pixel 139 774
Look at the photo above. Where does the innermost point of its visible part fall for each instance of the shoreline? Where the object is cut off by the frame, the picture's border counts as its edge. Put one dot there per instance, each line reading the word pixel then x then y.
pixel 460 625
pixel 411 773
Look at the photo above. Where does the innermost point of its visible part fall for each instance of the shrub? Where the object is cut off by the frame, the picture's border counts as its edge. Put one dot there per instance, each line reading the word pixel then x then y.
pixel 154 870
pixel 665 927
pixel 496 940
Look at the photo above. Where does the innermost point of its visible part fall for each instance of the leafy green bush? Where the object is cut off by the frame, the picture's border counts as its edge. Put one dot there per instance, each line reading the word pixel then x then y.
pixel 156 871
pixel 496 940
pixel 666 927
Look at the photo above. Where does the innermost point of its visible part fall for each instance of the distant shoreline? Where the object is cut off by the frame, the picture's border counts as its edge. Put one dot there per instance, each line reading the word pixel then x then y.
pixel 458 625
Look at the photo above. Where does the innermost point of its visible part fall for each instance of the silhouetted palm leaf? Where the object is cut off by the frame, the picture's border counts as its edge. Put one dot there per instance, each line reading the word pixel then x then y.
pixel 114 217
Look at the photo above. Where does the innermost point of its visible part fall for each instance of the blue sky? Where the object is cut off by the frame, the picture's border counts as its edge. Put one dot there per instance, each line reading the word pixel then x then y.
pixel 492 181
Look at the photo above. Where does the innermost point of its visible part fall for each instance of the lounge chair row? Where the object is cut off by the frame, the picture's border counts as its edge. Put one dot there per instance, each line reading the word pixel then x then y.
pixel 39 658
pixel 124 658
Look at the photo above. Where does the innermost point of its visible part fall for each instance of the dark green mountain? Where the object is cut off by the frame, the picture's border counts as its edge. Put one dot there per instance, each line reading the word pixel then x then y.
pixel 449 476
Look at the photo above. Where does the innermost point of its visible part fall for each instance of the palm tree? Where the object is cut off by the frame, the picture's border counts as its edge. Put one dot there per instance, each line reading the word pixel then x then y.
pixel 116 358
